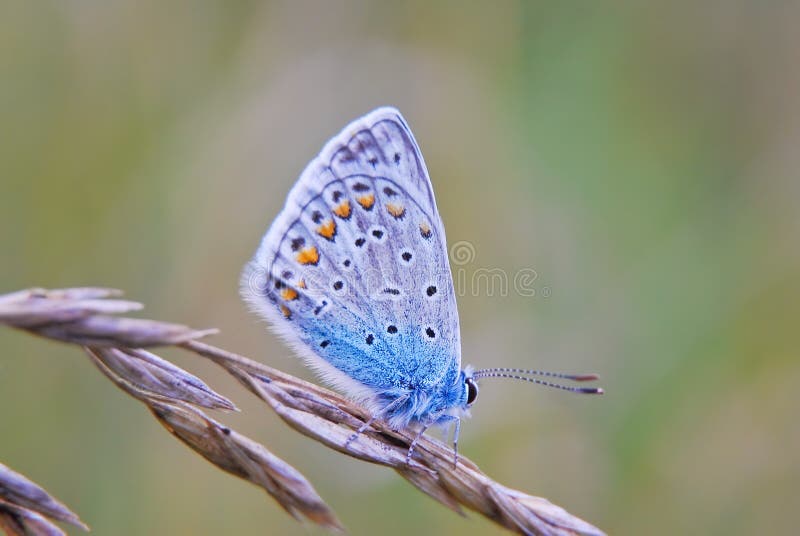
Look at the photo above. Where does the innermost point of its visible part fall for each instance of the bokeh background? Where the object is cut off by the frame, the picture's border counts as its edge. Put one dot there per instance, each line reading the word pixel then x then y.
pixel 642 159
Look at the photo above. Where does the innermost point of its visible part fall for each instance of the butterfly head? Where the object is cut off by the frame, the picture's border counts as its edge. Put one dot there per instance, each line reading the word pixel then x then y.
pixel 469 387
pixel 472 390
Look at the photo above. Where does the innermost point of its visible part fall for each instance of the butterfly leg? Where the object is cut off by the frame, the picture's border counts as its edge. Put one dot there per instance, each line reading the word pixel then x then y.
pixel 360 430
pixel 456 432
pixel 414 443
pixel 372 419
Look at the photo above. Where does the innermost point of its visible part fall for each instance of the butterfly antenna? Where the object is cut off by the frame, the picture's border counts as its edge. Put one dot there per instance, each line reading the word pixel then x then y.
pixel 584 390
pixel 573 377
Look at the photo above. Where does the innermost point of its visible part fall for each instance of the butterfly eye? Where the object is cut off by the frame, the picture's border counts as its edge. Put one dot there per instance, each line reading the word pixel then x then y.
pixel 472 391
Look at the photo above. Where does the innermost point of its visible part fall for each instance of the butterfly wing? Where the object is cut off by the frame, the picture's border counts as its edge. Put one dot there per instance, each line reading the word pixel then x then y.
pixel 354 272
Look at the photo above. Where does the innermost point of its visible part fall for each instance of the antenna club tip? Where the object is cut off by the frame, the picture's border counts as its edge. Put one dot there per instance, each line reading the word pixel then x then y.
pixel 600 391
pixel 584 377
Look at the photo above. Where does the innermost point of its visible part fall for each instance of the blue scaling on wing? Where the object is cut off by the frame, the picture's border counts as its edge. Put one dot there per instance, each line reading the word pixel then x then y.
pixel 354 274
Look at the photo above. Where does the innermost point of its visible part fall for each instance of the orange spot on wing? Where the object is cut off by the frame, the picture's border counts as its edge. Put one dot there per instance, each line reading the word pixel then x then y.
pixel 366 201
pixel 286 312
pixel 398 211
pixel 327 229
pixel 425 230
pixel 289 294
pixel 308 255
pixel 301 283
pixel 343 210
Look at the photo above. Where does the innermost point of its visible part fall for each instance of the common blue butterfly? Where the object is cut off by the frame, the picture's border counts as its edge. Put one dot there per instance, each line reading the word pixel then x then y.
pixel 354 275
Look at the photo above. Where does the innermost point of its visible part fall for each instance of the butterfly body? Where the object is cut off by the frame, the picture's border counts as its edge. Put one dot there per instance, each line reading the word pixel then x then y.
pixel 354 275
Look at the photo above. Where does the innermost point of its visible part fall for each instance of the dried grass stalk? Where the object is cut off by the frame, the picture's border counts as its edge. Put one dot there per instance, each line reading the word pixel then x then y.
pixel 114 345
pixel 80 316
pixel 24 505
pixel 16 521
pixel 329 418
pixel 225 448
pixel 158 376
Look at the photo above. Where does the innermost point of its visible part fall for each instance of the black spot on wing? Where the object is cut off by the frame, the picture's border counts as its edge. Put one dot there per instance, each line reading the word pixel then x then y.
pixel 297 243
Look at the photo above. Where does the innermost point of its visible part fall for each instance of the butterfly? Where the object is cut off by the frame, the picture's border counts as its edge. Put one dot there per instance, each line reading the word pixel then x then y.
pixel 354 275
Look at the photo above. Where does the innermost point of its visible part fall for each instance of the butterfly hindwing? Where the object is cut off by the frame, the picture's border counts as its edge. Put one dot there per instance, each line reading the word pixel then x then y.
pixel 354 271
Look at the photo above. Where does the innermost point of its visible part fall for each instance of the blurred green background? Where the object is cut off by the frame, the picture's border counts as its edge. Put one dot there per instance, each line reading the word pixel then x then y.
pixel 641 158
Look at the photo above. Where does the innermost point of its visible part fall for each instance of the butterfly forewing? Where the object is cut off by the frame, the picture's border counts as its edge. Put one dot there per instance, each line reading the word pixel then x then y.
pixel 354 271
